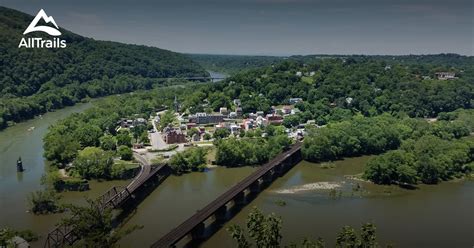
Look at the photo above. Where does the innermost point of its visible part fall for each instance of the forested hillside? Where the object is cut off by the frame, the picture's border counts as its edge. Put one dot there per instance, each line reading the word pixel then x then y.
pixel 337 88
pixel 34 81
pixel 232 64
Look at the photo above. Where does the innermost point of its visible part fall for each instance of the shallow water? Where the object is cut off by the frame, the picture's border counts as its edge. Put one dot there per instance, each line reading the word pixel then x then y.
pixel 431 216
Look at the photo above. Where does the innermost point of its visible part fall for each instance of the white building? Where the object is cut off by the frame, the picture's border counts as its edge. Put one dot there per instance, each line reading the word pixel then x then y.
pixel 445 75
pixel 223 111
pixel 234 129
pixel 295 100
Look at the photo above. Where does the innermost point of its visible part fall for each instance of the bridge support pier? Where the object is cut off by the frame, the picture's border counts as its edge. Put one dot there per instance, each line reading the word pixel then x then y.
pixel 274 173
pixel 221 213
pixel 280 169
pixel 198 231
pixel 255 187
pixel 267 178
pixel 239 199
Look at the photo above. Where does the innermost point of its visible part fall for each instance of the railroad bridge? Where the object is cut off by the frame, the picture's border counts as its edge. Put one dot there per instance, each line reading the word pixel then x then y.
pixel 211 79
pixel 116 197
pixel 242 193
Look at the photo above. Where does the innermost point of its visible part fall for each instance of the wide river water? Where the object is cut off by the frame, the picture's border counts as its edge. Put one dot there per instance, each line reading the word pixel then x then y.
pixel 431 216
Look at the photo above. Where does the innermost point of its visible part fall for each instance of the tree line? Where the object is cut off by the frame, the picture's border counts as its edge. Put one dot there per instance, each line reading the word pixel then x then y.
pixel 264 231
pixel 234 152
pixel 429 160
pixel 422 151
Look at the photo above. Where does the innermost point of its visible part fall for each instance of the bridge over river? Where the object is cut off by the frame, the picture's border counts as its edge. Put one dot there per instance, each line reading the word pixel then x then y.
pixel 212 79
pixel 239 194
pixel 64 235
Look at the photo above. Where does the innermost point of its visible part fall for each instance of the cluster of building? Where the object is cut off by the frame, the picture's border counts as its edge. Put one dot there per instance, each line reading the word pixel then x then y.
pixel 235 121
pixel 307 74
pixel 130 123
pixel 445 75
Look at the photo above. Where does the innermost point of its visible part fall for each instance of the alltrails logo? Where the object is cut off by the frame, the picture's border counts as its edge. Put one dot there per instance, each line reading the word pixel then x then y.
pixel 40 42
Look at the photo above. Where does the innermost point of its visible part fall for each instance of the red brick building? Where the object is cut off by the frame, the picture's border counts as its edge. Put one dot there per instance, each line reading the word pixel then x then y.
pixel 173 136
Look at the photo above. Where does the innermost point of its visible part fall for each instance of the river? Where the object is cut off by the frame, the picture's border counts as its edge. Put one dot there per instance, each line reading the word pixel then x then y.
pixel 431 216
pixel 15 187
pixel 215 74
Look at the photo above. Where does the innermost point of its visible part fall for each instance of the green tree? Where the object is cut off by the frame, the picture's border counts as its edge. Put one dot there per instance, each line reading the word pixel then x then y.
pixel 291 121
pixel 60 149
pixel 207 136
pixel 166 118
pixel 138 130
pixel 88 135
pixel 178 163
pixel 270 130
pixel 94 225
pixel 144 137
pixel 406 174
pixel 108 143
pixel 191 159
pixel 221 133
pixel 44 202
pixel 192 132
pixel 93 162
pixel 218 100
pixel 348 237
pixel 124 139
pixel 265 231
pixel 125 152
pixel 7 234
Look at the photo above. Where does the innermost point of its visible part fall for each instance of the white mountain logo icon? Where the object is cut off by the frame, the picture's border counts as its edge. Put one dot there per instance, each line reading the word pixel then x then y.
pixel 48 19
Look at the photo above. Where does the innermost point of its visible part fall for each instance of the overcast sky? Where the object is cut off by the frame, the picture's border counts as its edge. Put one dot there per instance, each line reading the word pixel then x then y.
pixel 271 27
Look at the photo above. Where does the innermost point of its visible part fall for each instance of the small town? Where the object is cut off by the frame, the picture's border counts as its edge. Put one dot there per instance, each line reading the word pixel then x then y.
pixel 256 123
pixel 200 129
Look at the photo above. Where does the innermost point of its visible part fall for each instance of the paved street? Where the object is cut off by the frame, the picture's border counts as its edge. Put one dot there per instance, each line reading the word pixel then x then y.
pixel 156 139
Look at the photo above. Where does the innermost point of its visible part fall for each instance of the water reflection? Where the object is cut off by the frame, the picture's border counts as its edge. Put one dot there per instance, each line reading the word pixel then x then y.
pixel 19 176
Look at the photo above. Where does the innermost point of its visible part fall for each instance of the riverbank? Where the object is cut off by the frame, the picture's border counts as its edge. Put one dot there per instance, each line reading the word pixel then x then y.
pixel 15 187
pixel 16 141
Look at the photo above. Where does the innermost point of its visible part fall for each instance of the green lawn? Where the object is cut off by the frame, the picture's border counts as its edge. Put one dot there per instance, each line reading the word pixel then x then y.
pixel 308 80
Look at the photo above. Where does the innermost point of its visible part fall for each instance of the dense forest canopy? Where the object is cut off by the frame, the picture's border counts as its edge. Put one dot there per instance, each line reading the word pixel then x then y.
pixel 336 88
pixel 34 81
pixel 232 64
pixel 97 126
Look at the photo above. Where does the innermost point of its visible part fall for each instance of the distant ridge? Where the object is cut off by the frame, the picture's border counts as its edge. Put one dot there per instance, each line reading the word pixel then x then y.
pixel 37 80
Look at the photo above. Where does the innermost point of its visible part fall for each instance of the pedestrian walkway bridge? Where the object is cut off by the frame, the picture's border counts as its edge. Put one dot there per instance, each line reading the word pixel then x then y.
pixel 64 235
